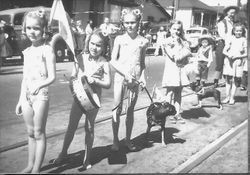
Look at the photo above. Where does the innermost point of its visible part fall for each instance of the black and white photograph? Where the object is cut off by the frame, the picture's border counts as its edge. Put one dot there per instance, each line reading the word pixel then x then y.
pixel 124 86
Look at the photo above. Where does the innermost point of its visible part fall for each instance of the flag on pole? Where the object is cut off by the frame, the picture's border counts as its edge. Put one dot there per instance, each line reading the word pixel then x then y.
pixel 58 13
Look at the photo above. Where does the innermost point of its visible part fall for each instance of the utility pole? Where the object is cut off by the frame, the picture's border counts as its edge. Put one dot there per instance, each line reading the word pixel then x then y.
pixel 176 7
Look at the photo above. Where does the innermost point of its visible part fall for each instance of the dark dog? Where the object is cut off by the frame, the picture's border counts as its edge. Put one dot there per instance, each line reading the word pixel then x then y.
pixel 204 92
pixel 156 115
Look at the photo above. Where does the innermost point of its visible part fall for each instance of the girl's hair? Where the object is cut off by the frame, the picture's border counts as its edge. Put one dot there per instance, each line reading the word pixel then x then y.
pixel 172 22
pixel 105 39
pixel 41 16
pixel 136 12
pixel 242 27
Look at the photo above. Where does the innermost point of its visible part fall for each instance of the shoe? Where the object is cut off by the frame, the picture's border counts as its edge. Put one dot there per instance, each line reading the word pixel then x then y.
pixel 179 119
pixel 215 85
pixel 58 161
pixel 130 146
pixel 85 167
pixel 232 102
pixel 225 101
pixel 171 118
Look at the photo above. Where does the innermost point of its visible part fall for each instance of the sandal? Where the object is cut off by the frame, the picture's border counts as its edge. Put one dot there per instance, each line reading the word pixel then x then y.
pixel 232 102
pixel 85 167
pixel 225 101
pixel 179 119
pixel 58 161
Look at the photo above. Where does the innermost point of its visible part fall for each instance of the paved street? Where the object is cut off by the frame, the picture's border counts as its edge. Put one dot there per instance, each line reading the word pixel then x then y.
pixel 202 127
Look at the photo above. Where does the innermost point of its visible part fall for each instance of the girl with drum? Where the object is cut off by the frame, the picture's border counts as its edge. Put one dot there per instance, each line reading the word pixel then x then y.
pixel 128 59
pixel 96 69
pixel 38 73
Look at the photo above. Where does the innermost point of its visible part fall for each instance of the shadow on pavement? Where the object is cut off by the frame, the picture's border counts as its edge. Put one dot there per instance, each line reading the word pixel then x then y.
pixel 240 99
pixel 195 113
pixel 98 154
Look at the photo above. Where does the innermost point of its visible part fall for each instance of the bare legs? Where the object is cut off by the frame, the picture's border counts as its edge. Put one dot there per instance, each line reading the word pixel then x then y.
pixel 174 97
pixel 230 91
pixel 75 115
pixel 35 119
pixel 118 95
pixel 89 137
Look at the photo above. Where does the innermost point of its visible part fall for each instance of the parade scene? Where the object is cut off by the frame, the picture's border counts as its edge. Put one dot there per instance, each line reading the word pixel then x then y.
pixel 124 86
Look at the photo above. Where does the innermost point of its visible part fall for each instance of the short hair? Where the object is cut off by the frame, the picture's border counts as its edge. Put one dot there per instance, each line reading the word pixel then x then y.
pixel 39 15
pixel 239 25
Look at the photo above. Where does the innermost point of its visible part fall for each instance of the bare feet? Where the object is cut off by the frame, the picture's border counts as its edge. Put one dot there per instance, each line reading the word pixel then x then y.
pixel 115 147
pixel 28 169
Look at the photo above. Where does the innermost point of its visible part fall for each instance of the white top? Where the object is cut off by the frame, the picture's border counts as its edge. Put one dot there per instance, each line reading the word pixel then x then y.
pixel 222 30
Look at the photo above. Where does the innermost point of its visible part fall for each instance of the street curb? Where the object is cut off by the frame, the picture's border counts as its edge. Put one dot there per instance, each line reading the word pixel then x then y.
pixel 197 158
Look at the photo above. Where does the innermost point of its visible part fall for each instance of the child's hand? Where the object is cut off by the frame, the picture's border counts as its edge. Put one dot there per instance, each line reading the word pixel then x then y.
pixel 34 89
pixel 18 110
pixel 91 80
pixel 129 78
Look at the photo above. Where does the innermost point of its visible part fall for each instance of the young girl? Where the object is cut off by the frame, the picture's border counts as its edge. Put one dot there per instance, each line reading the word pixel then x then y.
pixel 87 65
pixel 235 50
pixel 128 59
pixel 38 73
pixel 204 58
pixel 177 51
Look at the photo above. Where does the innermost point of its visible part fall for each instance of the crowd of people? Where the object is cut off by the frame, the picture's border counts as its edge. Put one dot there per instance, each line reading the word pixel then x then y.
pixel 128 60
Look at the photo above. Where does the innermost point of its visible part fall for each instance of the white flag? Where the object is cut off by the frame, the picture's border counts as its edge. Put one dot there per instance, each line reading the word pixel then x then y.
pixel 58 13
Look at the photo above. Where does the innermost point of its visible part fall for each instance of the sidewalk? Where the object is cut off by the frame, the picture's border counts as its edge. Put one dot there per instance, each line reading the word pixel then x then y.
pixel 202 127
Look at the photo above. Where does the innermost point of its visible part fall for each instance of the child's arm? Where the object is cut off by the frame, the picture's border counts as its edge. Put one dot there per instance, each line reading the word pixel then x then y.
pixel 106 81
pixel 51 68
pixel 210 57
pixel 143 66
pixel 226 50
pixel 21 98
pixel 168 49
pixel 22 93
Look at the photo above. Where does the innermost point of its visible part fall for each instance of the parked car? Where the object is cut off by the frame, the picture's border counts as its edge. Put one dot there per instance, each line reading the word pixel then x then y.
pixel 19 41
pixel 193 34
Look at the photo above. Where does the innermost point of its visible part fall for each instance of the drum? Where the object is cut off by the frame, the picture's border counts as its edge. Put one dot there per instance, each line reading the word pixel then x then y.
pixel 83 94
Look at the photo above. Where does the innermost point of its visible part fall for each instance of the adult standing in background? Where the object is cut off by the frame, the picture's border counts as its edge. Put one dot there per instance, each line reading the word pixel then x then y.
pixel 161 36
pixel 88 30
pixel 110 30
pixel 225 27
pixel 80 33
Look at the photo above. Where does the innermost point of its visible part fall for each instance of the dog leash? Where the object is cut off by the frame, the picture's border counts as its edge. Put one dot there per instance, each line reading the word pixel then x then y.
pixel 145 90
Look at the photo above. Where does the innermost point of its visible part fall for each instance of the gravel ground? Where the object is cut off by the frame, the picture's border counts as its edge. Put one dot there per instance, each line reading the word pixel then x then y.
pixel 231 158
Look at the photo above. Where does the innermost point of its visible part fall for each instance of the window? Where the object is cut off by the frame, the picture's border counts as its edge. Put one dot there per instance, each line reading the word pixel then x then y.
pixel 18 19
pixel 6 18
